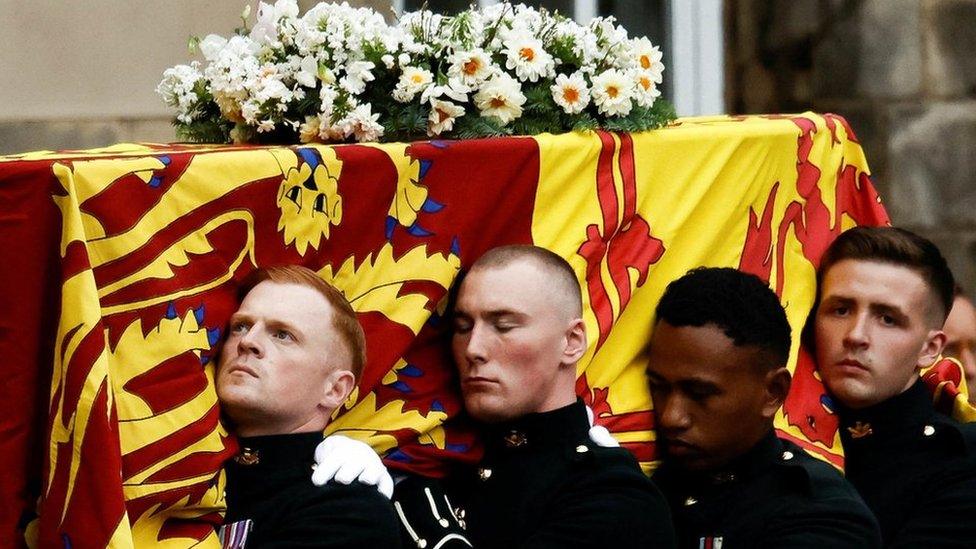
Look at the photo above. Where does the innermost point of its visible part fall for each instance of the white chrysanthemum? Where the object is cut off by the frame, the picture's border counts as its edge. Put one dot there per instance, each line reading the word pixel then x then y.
pixel 649 59
pixel 472 67
pixel 442 116
pixel 647 92
pixel 412 81
pixel 571 93
pixel 525 54
pixel 362 124
pixel 612 92
pixel 500 98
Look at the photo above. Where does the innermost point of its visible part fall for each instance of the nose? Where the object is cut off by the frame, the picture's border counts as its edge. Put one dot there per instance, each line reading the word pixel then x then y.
pixel 857 332
pixel 672 415
pixel 250 344
pixel 475 345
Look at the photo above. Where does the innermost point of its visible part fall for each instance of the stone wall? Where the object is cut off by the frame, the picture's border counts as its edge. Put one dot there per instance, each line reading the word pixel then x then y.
pixel 902 71
pixel 83 74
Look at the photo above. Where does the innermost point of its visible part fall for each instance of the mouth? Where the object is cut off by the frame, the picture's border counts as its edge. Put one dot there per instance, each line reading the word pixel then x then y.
pixel 850 365
pixel 242 369
pixel 475 383
pixel 680 449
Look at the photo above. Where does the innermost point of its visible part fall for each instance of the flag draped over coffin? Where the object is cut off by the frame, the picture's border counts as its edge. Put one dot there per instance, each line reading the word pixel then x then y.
pixel 155 239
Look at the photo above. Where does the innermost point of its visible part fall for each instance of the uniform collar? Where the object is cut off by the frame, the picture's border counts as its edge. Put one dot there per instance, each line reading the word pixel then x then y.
pixel 566 425
pixel 277 451
pixel 755 462
pixel 886 420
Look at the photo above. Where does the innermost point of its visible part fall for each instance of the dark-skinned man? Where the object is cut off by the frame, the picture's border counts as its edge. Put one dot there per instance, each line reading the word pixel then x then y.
pixel 884 294
pixel 717 373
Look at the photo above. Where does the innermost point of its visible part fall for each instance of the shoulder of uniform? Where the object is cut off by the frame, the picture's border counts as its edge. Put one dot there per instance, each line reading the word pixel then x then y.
pixel 942 429
pixel 814 476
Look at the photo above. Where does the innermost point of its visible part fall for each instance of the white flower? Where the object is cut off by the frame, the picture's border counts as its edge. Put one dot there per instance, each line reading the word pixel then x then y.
pixel 470 67
pixel 571 93
pixel 647 91
pixel 413 81
pixel 388 61
pixel 612 92
pixel 649 58
pixel 211 45
pixel 308 132
pixel 177 89
pixel 362 123
pixel 525 54
pixel 308 72
pixel 442 116
pixel 454 89
pixel 357 74
pixel 500 98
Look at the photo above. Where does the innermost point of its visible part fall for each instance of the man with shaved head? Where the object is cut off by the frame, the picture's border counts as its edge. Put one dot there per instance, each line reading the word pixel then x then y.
pixel 518 335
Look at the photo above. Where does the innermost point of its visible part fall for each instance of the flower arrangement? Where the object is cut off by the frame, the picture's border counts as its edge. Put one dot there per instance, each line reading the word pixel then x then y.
pixel 339 73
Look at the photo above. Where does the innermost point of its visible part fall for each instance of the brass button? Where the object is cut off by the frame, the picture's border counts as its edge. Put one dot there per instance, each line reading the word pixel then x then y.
pixel 860 430
pixel 515 439
pixel 928 430
pixel 582 449
pixel 247 456
pixel 484 473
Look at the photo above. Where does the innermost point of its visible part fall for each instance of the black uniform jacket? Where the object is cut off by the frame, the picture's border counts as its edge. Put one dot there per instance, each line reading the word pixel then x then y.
pixel 276 493
pixel 773 496
pixel 543 483
pixel 915 469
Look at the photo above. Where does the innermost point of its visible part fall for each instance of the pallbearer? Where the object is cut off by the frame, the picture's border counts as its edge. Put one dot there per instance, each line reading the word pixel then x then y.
pixel 717 373
pixel 884 296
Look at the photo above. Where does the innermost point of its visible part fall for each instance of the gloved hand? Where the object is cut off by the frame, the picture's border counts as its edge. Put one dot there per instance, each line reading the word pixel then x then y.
pixel 346 460
pixel 599 434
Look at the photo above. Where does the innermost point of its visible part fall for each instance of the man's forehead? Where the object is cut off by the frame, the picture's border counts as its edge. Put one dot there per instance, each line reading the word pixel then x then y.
pixel 285 301
pixel 697 353
pixel 859 275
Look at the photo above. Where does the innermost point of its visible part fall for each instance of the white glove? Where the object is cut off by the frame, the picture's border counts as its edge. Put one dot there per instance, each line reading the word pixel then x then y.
pixel 599 434
pixel 345 460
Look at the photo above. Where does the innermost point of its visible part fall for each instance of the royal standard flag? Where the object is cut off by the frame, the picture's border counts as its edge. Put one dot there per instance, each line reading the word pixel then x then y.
pixel 155 238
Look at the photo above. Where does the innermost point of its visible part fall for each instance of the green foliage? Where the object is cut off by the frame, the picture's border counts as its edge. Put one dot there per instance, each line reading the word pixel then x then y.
pixel 407 122
pixel 210 130
pixel 471 126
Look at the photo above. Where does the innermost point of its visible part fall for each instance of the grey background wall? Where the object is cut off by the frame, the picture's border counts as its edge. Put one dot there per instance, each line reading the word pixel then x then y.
pixel 902 71
pixel 83 74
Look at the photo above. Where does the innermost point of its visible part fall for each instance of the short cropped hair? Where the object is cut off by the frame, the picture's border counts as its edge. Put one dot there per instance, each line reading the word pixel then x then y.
pixel 738 303
pixel 896 247
pixel 563 277
pixel 343 318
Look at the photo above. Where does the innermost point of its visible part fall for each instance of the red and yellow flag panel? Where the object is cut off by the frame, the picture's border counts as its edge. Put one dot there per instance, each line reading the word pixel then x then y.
pixel 126 427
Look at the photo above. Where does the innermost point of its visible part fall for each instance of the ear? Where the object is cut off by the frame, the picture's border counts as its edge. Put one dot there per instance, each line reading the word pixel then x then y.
pixel 931 349
pixel 575 342
pixel 337 388
pixel 777 386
